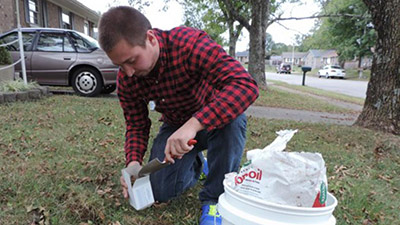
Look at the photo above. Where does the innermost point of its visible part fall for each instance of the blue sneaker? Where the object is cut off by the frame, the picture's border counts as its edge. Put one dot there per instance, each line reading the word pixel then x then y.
pixel 210 215
pixel 204 172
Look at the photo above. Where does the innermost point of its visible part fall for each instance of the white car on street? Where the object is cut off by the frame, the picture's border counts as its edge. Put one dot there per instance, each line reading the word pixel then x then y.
pixel 332 71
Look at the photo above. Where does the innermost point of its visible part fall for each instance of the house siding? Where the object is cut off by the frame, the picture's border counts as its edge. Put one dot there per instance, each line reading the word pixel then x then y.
pixel 7 18
pixel 310 61
pixel 53 12
pixel 78 23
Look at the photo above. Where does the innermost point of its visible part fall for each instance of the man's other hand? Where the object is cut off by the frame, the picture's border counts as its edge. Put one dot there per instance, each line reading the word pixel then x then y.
pixel 136 166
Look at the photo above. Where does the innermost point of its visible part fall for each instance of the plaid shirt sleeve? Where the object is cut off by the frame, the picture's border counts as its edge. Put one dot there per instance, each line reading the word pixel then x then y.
pixel 136 118
pixel 237 90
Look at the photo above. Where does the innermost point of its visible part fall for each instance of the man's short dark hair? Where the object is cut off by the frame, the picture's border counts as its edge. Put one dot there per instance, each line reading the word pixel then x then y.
pixel 122 22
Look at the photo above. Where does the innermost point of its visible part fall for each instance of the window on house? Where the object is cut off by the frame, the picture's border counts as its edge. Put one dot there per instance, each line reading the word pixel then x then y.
pixel 66 20
pixel 33 11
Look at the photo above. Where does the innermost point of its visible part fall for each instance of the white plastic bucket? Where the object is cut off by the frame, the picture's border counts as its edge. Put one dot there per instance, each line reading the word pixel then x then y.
pixel 239 209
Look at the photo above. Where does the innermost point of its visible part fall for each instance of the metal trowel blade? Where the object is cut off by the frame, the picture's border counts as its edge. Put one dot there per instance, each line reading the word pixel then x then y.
pixel 151 167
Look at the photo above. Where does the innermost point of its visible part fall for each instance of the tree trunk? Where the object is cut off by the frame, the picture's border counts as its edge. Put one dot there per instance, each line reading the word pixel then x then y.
pixel 232 44
pixel 233 37
pixel 257 29
pixel 256 52
pixel 382 106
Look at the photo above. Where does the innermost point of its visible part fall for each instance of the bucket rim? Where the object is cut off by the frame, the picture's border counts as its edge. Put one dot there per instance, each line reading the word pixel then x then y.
pixel 280 206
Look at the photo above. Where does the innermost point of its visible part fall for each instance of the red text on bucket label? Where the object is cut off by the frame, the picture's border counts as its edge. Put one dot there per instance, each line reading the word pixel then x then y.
pixel 256 175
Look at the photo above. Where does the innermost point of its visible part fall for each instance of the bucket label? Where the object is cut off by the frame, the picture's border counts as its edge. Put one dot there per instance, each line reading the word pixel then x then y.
pixel 320 200
pixel 249 180
pixel 322 196
pixel 248 175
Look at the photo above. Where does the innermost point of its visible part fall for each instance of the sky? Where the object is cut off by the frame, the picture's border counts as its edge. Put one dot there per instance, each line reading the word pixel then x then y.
pixel 284 33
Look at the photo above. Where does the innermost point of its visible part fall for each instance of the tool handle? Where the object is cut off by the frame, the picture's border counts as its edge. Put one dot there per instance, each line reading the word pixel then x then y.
pixel 192 142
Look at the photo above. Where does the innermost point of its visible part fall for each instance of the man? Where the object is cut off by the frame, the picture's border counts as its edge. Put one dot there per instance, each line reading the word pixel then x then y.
pixel 200 91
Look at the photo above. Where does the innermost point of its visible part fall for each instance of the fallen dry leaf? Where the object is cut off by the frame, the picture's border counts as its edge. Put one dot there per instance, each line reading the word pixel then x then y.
pixel 85 179
pixel 102 216
pixel 39 215
pixel 385 178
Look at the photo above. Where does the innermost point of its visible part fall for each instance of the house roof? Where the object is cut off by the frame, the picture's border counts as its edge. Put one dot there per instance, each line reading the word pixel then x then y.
pixel 79 9
pixel 329 53
pixel 242 54
pixel 316 53
pixel 295 54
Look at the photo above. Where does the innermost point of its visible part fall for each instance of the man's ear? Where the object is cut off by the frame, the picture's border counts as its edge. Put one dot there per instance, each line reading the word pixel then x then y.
pixel 151 37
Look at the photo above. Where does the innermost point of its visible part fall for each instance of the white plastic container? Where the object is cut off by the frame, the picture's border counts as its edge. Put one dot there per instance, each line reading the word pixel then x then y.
pixel 239 209
pixel 141 193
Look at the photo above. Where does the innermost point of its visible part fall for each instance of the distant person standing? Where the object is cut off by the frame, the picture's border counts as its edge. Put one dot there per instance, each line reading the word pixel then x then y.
pixel 198 88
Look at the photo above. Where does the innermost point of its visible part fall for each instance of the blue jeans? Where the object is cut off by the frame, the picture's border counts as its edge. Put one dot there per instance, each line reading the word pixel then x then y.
pixel 224 152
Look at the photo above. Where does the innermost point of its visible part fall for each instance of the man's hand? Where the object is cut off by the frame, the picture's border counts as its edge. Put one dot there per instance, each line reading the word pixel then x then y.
pixel 137 166
pixel 177 143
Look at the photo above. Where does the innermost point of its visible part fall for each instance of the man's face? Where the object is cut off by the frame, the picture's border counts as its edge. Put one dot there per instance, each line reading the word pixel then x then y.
pixel 136 60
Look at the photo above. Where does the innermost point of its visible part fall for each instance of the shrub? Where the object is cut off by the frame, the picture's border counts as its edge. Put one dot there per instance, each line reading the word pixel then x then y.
pixel 5 57
pixel 17 85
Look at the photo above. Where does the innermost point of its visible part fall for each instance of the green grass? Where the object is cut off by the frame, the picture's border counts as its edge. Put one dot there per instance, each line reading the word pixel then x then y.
pixel 274 97
pixel 62 156
pixel 351 74
pixel 320 92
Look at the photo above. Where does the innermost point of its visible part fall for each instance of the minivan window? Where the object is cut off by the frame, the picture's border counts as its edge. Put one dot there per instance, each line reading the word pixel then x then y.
pixel 336 67
pixel 67 45
pixel 27 39
pixel 83 43
pixel 50 42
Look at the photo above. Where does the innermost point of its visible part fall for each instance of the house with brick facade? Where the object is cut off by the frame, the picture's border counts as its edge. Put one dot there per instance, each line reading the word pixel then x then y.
pixel 68 14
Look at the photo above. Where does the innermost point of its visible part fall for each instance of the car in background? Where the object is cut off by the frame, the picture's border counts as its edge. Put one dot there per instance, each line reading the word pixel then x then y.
pixel 332 71
pixel 61 57
pixel 284 68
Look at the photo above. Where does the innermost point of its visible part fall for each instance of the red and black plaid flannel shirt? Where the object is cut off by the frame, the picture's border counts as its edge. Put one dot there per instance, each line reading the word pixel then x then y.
pixel 194 77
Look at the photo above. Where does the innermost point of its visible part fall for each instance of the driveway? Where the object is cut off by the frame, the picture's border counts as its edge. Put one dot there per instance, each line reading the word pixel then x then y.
pixel 347 87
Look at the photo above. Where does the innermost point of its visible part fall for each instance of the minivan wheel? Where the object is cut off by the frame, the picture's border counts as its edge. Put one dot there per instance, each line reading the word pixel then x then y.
pixel 107 89
pixel 87 82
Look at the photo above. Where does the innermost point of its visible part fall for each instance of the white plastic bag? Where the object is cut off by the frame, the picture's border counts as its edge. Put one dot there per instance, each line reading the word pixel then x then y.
pixel 288 178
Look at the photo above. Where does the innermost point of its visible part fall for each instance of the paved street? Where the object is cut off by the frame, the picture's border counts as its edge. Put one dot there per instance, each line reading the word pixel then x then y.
pixel 347 87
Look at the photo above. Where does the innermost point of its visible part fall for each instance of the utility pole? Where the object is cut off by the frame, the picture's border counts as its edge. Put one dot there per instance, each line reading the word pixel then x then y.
pixel 292 57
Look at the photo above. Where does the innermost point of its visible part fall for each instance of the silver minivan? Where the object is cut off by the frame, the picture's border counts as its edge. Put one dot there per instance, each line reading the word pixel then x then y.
pixel 61 57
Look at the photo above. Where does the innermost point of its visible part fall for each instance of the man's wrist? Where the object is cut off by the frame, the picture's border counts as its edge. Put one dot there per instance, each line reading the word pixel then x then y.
pixel 195 124
pixel 131 163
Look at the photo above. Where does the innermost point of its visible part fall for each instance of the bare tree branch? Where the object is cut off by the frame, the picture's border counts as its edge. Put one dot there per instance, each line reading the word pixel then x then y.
pixel 317 16
pixel 236 15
